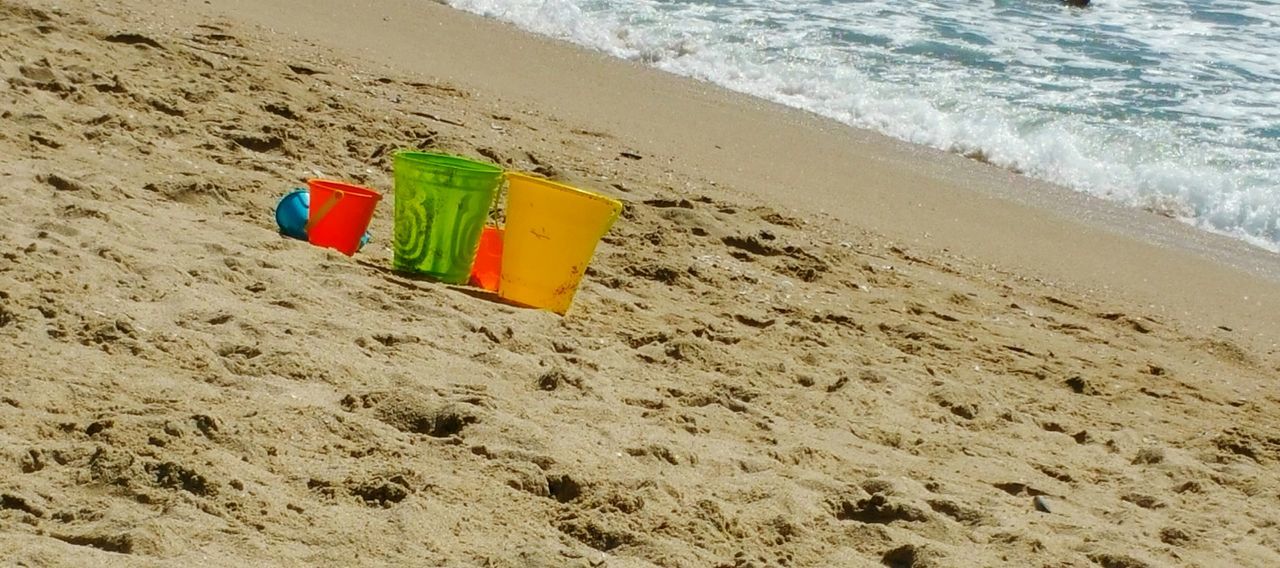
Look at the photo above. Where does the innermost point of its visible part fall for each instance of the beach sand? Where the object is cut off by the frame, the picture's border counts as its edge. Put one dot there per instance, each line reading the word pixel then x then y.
pixel 802 344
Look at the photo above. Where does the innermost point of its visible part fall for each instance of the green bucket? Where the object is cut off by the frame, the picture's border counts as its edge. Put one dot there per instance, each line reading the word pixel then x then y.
pixel 441 205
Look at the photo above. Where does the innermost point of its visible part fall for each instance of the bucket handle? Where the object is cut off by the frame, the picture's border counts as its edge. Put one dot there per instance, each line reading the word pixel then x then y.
pixel 325 208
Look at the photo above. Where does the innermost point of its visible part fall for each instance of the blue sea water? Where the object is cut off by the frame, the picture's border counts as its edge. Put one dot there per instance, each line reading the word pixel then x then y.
pixel 1172 106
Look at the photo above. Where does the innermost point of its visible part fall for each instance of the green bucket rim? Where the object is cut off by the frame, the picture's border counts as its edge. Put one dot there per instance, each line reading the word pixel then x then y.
pixel 448 160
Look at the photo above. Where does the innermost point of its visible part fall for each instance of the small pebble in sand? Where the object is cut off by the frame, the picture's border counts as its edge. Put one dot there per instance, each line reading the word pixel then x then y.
pixel 1042 504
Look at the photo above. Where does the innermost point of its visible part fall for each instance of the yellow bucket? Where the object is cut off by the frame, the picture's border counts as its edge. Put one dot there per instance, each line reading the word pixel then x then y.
pixel 551 233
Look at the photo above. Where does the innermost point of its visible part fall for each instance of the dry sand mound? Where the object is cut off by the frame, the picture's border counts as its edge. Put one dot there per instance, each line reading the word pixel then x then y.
pixel 736 386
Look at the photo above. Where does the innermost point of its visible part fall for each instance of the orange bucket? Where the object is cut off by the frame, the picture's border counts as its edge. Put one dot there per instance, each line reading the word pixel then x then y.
pixel 339 214
pixel 488 265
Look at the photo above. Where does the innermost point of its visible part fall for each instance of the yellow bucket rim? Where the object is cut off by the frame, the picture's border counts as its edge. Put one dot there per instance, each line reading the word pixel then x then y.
pixel 562 187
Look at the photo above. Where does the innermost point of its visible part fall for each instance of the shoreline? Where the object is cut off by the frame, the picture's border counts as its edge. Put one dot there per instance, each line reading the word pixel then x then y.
pixel 913 194
pixel 979 156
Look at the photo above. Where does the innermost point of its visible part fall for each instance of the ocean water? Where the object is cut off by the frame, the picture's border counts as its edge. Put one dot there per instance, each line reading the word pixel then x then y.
pixel 1171 106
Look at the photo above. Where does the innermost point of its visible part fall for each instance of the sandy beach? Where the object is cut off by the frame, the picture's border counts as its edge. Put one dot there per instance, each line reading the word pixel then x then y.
pixel 802 344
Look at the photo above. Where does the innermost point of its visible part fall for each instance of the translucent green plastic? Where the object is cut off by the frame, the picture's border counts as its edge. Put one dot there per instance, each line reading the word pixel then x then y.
pixel 441 205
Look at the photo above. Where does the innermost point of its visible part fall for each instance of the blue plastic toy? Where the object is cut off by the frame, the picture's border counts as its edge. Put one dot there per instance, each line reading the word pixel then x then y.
pixel 291 215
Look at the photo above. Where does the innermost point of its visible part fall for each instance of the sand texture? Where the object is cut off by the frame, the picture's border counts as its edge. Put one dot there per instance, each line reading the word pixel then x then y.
pixel 739 384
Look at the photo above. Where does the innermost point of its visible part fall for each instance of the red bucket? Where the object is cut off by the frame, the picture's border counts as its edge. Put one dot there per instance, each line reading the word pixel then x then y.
pixel 339 214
